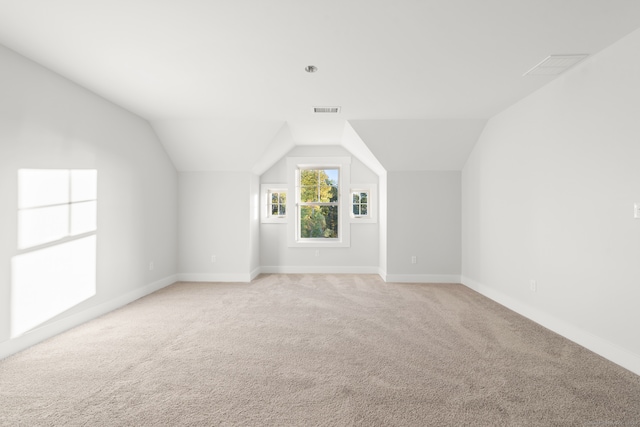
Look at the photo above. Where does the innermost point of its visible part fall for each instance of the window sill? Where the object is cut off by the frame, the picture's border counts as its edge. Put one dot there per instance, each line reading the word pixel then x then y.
pixel 274 220
pixel 318 243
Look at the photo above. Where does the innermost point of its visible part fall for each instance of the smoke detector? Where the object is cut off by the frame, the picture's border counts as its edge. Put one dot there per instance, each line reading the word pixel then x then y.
pixel 553 65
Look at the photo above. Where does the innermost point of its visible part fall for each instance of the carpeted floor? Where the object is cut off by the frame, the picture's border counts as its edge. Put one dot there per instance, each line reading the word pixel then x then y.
pixel 305 350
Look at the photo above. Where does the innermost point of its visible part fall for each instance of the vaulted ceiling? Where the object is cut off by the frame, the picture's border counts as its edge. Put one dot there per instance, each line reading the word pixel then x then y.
pixel 223 81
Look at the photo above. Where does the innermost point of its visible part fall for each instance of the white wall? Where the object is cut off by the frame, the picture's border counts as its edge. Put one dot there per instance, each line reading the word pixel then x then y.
pixel 383 225
pixel 254 229
pixel 47 122
pixel 215 219
pixel 548 196
pixel 362 256
pixel 423 211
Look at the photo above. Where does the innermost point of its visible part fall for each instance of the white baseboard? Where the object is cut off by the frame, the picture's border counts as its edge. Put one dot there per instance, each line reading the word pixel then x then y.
pixel 422 278
pixel 215 277
pixel 279 269
pixel 383 274
pixel 255 273
pixel 49 330
pixel 600 346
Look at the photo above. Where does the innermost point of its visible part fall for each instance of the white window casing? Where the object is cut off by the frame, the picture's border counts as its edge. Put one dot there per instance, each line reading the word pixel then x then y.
pixel 371 215
pixel 294 166
pixel 266 204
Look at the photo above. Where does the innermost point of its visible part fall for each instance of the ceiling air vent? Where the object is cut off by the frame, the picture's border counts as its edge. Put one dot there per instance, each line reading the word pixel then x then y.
pixel 553 65
pixel 333 110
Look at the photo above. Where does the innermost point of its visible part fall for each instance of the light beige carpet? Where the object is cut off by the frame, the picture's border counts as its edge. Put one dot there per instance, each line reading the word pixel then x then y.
pixel 304 350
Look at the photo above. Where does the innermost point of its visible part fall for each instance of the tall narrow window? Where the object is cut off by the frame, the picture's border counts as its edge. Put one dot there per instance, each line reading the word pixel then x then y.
pixel 319 203
pixel 360 200
pixel 277 203
pixel 274 203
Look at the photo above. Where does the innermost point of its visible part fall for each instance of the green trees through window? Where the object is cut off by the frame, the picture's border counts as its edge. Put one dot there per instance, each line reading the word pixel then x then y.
pixel 278 203
pixel 360 203
pixel 319 206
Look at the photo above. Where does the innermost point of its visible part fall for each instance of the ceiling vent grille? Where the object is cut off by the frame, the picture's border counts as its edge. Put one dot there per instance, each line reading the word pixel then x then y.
pixel 553 65
pixel 332 110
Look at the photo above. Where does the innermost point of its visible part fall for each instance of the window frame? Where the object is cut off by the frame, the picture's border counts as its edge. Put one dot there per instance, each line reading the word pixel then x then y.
pixel 266 216
pixel 316 204
pixel 372 203
pixel 294 204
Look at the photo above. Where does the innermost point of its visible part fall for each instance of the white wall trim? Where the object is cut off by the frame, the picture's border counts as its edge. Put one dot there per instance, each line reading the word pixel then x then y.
pixel 49 330
pixel 215 277
pixel 383 274
pixel 255 273
pixel 280 269
pixel 422 278
pixel 600 346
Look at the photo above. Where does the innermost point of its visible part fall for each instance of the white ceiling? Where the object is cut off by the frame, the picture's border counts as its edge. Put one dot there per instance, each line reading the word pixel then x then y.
pixel 218 79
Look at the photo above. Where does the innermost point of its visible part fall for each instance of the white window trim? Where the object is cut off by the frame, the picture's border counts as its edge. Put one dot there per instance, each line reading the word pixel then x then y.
pixel 372 204
pixel 294 164
pixel 265 203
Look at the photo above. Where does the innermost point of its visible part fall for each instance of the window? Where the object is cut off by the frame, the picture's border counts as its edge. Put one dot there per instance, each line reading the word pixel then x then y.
pixel 319 203
pixel 321 214
pixel 274 203
pixel 360 203
pixel 278 203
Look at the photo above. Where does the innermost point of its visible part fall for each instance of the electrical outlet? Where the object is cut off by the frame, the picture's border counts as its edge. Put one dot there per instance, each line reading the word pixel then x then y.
pixel 533 286
pixel 151 266
pixel 414 259
pixel 213 259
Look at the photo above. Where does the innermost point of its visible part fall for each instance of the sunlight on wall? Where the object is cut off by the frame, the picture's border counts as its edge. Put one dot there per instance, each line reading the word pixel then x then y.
pixel 53 204
pixel 57 223
pixel 49 281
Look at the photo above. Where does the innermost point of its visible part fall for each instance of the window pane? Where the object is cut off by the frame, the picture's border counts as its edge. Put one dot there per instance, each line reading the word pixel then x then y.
pixel 274 197
pixel 283 198
pixel 319 222
pixel 309 178
pixel 363 197
pixel 283 210
pixel 274 209
pixel 356 198
pixel 83 217
pixel 328 194
pixel 334 194
pixel 330 176
pixel 42 225
pixel 363 210
pixel 309 194
pixel 356 209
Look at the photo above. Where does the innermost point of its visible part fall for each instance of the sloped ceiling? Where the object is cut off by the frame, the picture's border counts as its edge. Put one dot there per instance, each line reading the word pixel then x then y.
pixel 216 144
pixel 218 79
pixel 420 144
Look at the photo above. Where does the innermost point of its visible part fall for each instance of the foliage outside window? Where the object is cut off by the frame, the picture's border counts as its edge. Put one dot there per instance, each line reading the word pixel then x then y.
pixel 319 203
pixel 278 203
pixel 273 202
pixel 360 203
